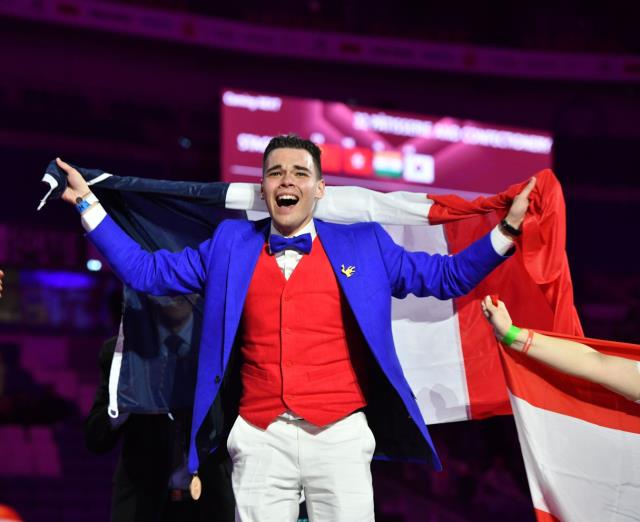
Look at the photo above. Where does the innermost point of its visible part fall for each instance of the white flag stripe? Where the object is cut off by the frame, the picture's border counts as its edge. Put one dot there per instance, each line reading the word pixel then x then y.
pixel 354 204
pixel 244 196
pixel 346 204
pixel 578 471
pixel 427 338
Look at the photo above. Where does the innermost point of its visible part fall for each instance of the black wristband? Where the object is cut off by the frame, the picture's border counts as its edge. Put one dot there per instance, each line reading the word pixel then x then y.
pixel 508 229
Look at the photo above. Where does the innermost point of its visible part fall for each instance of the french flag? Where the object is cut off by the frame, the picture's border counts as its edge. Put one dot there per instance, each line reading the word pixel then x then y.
pixel 580 443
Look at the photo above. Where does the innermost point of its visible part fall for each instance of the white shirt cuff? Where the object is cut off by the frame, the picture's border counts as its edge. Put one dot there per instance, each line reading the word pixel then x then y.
pixel 501 243
pixel 93 217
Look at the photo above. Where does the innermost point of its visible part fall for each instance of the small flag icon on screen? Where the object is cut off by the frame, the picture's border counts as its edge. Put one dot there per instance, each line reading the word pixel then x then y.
pixel 357 161
pixel 388 163
pixel 419 168
pixel 331 158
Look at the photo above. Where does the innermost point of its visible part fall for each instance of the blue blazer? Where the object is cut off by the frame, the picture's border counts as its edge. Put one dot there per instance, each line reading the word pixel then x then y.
pixel 221 269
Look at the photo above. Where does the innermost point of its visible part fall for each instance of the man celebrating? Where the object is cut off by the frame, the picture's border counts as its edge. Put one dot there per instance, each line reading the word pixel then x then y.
pixel 304 307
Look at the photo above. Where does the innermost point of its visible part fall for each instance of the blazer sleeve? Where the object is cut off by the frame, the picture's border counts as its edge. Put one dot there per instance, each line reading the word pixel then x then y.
pixel 441 276
pixel 157 273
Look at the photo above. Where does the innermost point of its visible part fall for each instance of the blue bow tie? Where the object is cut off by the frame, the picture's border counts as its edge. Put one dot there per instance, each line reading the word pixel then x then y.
pixel 301 243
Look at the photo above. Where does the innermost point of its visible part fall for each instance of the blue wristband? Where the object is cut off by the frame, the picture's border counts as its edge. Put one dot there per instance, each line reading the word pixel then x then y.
pixel 82 205
pixel 84 202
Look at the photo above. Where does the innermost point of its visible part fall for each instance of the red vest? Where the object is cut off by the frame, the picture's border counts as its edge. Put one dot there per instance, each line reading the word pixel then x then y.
pixel 299 338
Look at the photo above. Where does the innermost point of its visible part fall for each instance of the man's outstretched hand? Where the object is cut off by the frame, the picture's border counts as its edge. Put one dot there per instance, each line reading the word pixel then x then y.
pixel 520 204
pixel 76 185
pixel 1 276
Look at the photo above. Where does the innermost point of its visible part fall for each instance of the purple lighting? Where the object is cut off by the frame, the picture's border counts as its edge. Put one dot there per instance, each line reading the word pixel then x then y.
pixel 58 280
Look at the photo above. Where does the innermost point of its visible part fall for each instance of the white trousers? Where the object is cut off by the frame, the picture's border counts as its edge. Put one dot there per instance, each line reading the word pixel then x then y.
pixel 332 465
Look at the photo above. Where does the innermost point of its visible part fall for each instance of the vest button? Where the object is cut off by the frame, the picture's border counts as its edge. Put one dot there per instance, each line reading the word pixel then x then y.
pixel 217 379
pixel 288 364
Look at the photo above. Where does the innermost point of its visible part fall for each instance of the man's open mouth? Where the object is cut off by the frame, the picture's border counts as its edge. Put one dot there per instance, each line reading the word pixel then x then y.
pixel 286 200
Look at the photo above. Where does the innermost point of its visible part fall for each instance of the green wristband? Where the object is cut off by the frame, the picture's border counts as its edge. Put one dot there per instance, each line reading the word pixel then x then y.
pixel 511 335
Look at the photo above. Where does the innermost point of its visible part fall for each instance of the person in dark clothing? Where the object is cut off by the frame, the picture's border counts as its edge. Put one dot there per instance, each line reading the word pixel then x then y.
pixel 152 447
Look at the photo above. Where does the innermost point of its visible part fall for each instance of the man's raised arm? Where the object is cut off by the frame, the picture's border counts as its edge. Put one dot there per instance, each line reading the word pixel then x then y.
pixel 158 273
pixel 447 276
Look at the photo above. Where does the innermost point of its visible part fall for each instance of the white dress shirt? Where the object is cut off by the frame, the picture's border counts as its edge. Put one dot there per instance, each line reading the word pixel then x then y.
pixel 288 259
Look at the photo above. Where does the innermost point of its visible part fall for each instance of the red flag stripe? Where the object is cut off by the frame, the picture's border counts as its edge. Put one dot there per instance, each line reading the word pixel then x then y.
pixel 541 250
pixel 485 382
pixel 543 516
pixel 551 390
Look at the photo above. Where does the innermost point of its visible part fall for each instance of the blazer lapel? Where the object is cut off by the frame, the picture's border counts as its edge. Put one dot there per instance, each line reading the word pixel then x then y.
pixel 347 263
pixel 244 252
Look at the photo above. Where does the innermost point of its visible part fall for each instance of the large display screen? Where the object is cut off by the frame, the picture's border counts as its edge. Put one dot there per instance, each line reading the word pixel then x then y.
pixel 381 150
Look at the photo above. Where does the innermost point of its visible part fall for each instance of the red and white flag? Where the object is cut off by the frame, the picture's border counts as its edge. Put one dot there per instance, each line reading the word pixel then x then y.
pixel 580 442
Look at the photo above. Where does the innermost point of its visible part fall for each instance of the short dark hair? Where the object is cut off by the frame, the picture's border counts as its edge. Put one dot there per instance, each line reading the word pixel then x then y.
pixel 292 141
